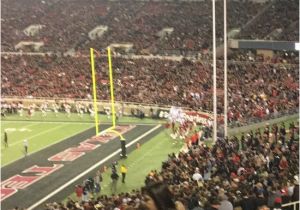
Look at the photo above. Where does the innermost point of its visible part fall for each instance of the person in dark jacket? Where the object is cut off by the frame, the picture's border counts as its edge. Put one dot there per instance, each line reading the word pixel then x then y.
pixel 213 204
pixel 114 181
pixel 248 202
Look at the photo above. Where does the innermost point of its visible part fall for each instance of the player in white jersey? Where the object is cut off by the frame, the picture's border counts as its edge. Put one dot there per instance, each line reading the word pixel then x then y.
pixel 43 108
pixel 79 109
pixel 107 111
pixel 20 108
pixel 67 109
pixel 91 111
pixel 31 110
pixel 55 109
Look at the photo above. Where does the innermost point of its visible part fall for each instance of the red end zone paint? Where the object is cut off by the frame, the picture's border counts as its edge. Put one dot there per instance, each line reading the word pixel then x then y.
pixel 101 139
pixel 6 192
pixel 11 185
pixel 19 182
pixel 66 155
pixel 73 153
pixel 84 146
pixel 42 171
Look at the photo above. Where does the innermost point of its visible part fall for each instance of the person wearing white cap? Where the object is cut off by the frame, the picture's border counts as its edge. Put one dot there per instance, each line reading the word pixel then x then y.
pixel 197 176
pixel 295 196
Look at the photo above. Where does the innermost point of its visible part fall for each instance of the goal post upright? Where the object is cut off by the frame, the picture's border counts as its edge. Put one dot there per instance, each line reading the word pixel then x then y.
pixel 111 82
pixel 94 90
pixel 112 98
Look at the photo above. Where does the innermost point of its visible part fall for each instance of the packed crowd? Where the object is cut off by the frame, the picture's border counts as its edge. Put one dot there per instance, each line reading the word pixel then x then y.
pixel 279 57
pixel 245 174
pixel 278 15
pixel 66 26
pixel 258 90
pixel 259 172
pixel 255 89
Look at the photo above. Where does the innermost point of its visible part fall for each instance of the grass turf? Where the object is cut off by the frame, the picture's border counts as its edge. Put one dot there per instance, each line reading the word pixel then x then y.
pixel 39 136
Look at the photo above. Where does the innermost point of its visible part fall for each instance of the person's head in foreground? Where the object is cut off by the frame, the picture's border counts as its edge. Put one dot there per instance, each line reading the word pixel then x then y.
pixel 157 196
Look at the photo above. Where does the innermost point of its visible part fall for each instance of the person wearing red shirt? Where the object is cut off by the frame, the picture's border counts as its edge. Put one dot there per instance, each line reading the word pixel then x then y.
pixel 194 138
pixel 79 192
pixel 283 164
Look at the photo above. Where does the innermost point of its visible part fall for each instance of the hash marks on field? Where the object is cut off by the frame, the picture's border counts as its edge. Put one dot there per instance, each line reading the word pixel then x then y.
pixel 21 129
pixel 10 130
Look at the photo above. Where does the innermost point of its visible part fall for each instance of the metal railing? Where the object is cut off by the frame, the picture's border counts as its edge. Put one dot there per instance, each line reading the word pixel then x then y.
pixel 294 204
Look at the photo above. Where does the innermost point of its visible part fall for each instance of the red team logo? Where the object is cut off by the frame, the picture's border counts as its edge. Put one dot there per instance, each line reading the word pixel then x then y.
pixel 13 184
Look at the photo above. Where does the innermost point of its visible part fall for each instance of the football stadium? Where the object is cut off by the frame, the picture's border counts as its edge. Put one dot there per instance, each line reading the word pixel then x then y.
pixel 150 104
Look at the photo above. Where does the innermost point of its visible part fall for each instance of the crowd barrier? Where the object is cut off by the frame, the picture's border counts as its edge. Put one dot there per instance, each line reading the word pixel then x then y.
pixel 294 204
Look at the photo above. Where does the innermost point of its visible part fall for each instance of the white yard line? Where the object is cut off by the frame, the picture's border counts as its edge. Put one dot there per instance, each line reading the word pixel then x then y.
pixel 90 169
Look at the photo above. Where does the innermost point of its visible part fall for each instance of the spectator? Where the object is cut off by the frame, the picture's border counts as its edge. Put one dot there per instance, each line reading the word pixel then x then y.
pixel 114 181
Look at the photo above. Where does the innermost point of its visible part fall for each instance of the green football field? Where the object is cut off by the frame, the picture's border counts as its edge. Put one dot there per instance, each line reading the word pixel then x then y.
pixel 45 131
pixel 39 136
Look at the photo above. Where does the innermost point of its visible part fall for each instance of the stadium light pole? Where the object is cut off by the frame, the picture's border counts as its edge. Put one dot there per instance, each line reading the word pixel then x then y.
pixel 214 72
pixel 225 69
